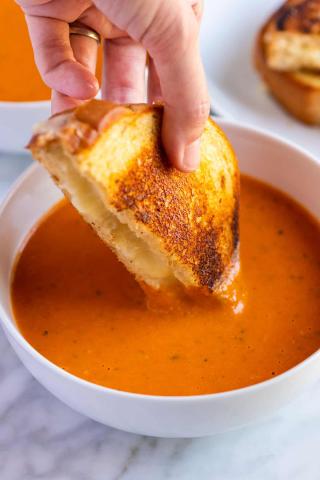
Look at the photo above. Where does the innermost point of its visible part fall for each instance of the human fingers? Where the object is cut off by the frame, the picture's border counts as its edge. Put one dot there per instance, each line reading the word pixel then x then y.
pixel 56 61
pixel 154 87
pixel 85 51
pixel 123 78
pixel 169 32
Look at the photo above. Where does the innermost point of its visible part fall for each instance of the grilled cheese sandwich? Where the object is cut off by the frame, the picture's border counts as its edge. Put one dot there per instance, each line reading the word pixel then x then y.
pixel 167 227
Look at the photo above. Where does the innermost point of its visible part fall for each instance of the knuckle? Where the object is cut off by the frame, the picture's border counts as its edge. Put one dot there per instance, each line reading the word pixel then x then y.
pixel 198 114
pixel 49 71
pixel 170 31
pixel 189 120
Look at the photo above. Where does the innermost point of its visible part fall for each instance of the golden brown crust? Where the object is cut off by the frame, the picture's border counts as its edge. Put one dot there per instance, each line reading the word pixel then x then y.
pixel 193 217
pixel 181 216
pixel 297 16
pixel 298 97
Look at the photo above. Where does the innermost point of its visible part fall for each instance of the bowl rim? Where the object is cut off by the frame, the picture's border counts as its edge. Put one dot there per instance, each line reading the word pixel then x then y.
pixel 24 104
pixel 10 326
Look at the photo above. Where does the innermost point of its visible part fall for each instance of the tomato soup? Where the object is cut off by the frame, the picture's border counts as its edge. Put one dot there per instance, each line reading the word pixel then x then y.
pixel 19 80
pixel 80 308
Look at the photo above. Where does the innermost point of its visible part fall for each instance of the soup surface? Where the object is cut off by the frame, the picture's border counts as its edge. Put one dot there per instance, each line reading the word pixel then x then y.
pixel 19 80
pixel 79 307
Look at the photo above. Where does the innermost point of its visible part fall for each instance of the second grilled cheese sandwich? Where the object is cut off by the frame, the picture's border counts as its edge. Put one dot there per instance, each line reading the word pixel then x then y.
pixel 292 37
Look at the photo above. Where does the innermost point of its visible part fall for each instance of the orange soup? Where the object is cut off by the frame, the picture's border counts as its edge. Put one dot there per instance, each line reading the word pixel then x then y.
pixel 79 307
pixel 19 80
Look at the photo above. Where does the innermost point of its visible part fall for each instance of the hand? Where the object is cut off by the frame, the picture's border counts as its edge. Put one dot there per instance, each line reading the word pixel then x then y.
pixel 167 29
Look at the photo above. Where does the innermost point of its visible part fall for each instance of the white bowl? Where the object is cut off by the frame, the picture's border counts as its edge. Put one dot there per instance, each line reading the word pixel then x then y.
pixel 15 121
pixel 261 155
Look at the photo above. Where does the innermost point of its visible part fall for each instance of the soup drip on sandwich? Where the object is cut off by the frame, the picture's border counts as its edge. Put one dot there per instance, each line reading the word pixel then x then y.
pixel 170 229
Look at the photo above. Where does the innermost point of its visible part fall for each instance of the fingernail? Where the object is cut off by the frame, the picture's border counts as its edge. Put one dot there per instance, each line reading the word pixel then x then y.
pixel 191 157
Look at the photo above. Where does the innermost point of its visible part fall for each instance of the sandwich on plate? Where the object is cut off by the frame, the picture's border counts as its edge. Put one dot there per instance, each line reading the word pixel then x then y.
pixel 287 56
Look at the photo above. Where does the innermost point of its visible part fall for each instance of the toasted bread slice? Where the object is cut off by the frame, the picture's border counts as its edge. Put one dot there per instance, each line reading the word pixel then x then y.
pixel 288 52
pixel 298 92
pixel 167 227
pixel 292 36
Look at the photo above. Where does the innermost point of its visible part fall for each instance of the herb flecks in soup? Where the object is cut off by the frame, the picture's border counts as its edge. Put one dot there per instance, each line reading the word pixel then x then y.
pixel 79 307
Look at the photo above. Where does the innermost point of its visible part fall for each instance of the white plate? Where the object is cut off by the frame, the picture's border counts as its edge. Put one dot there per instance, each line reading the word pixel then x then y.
pixel 16 122
pixel 228 34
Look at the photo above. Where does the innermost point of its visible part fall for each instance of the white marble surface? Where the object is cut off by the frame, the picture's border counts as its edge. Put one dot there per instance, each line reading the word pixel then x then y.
pixel 40 438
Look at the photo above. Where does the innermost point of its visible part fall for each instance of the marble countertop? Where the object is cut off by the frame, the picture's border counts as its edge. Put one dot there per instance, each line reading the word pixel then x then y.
pixel 41 438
